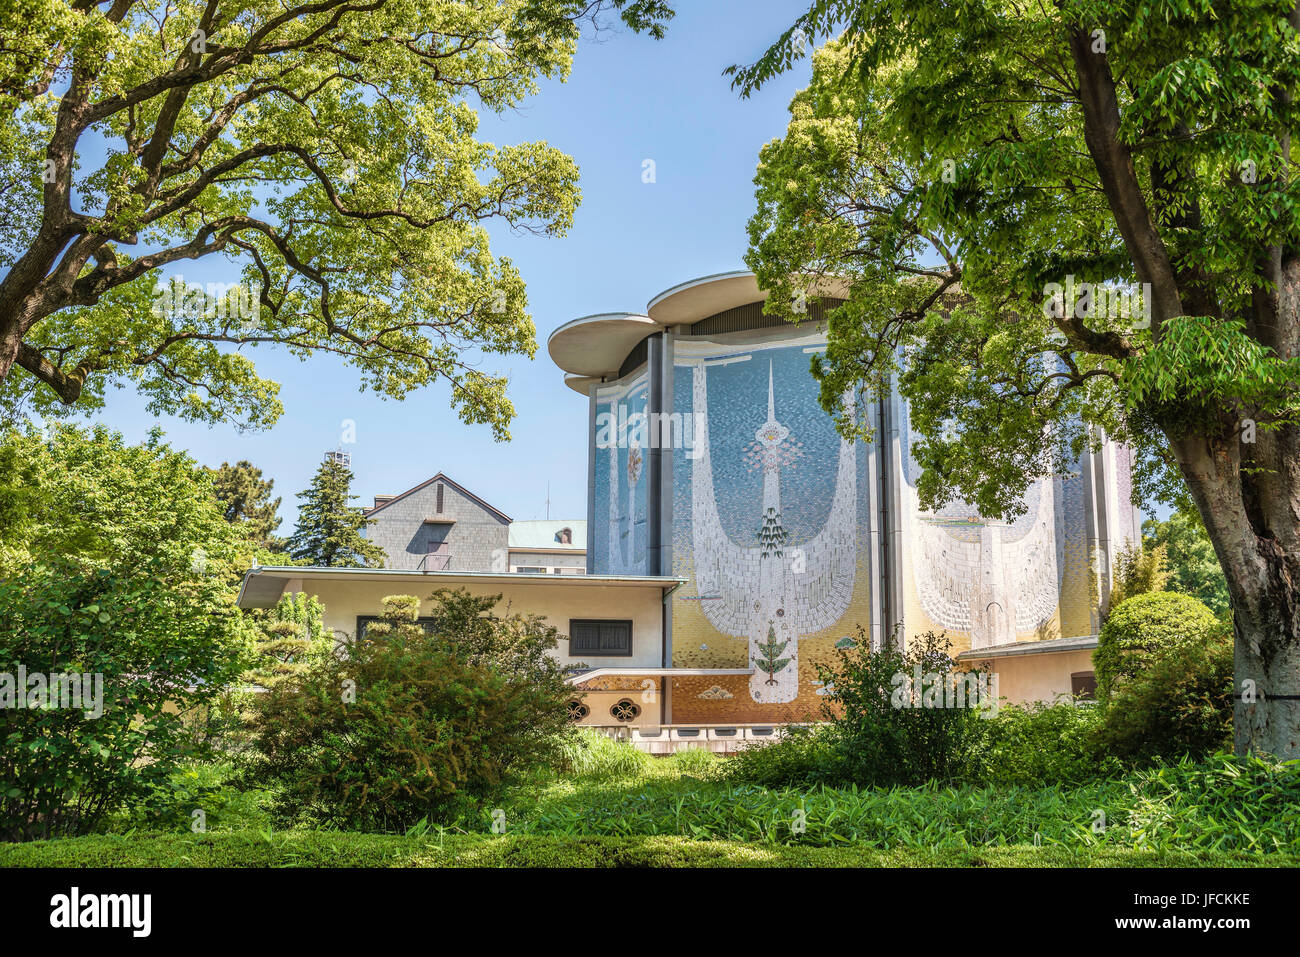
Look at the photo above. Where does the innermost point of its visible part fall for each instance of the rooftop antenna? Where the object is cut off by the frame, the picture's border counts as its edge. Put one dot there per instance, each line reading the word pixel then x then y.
pixel 548 501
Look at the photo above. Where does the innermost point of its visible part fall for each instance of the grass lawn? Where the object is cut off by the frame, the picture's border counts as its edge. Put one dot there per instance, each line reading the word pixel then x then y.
pixel 634 811
pixel 340 849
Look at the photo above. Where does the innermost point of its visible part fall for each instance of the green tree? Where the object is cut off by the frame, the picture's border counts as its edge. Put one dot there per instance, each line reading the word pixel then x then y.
pixel 293 636
pixel 324 152
pixel 123 568
pixel 1194 569
pixel 958 173
pixel 245 497
pixel 1139 570
pixel 328 532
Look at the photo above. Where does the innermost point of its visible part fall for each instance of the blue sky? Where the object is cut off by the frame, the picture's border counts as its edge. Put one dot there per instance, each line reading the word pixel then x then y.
pixel 629 99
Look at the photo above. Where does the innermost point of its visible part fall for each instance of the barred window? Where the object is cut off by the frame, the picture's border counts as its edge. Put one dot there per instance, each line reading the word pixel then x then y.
pixel 600 637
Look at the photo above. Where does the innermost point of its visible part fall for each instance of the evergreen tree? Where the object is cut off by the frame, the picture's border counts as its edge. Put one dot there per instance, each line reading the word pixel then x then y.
pixel 770 659
pixel 293 636
pixel 328 532
pixel 245 498
pixel 1193 565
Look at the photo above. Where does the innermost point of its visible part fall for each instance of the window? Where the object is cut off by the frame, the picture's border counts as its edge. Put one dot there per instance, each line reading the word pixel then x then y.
pixel 626 710
pixel 597 637
pixel 530 568
pixel 1083 685
pixel 439 498
pixel 578 711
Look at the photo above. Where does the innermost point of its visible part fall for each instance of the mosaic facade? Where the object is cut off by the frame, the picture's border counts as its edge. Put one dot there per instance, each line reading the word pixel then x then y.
pixel 775 521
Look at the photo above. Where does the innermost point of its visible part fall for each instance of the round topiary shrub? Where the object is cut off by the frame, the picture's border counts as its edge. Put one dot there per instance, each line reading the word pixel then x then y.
pixel 1143 625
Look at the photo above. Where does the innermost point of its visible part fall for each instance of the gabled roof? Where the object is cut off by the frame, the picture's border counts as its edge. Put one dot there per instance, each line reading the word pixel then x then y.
pixel 441 477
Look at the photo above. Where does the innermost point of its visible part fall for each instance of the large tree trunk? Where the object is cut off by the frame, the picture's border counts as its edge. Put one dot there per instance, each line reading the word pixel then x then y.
pixel 1249 497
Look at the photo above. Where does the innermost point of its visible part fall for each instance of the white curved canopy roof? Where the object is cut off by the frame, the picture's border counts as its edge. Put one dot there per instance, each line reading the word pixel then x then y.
pixel 594 347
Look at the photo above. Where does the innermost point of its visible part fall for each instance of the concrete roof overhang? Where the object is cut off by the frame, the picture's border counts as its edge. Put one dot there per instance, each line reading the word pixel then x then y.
pixel 263 587
pixel 1018 648
pixel 595 346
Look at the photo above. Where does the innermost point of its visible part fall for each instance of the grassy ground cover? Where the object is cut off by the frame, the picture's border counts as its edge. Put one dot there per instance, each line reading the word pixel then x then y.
pixel 338 849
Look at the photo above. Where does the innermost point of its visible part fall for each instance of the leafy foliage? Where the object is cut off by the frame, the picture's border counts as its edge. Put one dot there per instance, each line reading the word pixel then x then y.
pixel 246 497
pixel 1194 568
pixel 1042 745
pixel 408 726
pixel 1139 570
pixel 887 730
pixel 1143 626
pixel 1179 704
pixel 293 636
pixel 324 152
pixel 122 568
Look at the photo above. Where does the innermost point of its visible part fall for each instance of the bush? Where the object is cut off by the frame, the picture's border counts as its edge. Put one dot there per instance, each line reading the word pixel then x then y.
pixel 594 755
pixel 801 757
pixel 693 761
pixel 1140 626
pixel 1041 745
pixel 410 726
pixel 117 567
pixel 1180 704
pixel 887 730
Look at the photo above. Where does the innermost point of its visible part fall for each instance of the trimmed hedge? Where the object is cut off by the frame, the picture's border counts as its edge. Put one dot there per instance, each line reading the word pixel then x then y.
pixel 344 849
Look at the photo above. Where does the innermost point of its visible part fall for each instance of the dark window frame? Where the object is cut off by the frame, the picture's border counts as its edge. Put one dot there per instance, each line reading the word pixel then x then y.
pixel 598 651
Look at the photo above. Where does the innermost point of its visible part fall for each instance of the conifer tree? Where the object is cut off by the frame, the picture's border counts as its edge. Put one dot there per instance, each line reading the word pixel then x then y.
pixel 328 532
pixel 245 498
pixel 293 636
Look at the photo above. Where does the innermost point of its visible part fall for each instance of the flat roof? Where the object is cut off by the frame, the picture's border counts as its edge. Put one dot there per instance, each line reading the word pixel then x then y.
pixel 1017 648
pixel 263 586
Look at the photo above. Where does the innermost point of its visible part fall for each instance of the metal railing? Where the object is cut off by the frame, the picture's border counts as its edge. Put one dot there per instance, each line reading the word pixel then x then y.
pixel 434 562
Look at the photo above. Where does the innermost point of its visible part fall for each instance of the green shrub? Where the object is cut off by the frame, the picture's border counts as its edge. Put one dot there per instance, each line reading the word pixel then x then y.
pixel 594 755
pixel 694 761
pixel 404 727
pixel 886 729
pixel 1041 745
pixel 1180 704
pixel 118 567
pixel 802 756
pixel 1140 626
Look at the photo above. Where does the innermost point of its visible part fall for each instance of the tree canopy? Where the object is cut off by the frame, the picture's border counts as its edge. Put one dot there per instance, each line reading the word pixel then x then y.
pixel 1056 224
pixel 324 153
pixel 245 499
